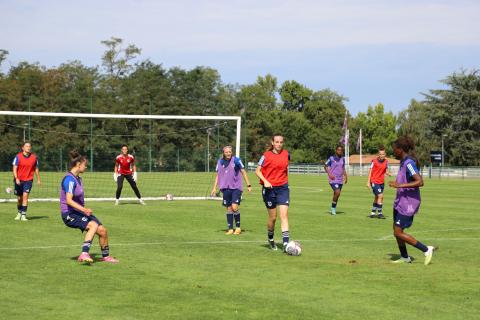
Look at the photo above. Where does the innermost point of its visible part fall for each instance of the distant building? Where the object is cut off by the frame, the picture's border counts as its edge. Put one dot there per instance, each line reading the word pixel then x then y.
pixel 367 158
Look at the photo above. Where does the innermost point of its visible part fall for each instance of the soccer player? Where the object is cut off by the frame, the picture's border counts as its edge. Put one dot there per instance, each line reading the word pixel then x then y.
pixel 272 170
pixel 375 182
pixel 337 175
pixel 76 215
pixel 407 201
pixel 229 181
pixel 24 165
pixel 125 168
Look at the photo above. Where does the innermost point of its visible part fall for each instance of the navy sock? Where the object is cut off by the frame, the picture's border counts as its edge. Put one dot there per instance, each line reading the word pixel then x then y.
pixel 374 207
pixel 230 220
pixel 236 216
pixel 334 204
pixel 19 207
pixel 403 251
pixel 270 235
pixel 285 236
pixel 86 246
pixel 24 209
pixel 105 251
pixel 379 208
pixel 421 246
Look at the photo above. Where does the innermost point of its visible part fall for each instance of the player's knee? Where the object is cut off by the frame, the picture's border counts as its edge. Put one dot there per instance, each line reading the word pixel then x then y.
pixel 92 225
pixel 234 207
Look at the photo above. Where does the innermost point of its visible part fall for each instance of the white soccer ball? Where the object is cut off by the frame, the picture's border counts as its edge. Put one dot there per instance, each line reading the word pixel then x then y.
pixel 8 190
pixel 293 248
pixel 169 197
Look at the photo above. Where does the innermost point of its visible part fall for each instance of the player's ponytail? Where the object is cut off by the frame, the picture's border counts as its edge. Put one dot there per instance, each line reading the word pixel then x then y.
pixel 75 157
pixel 408 146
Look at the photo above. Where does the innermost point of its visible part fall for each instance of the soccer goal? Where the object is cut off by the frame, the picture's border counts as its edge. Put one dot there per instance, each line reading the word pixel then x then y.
pixel 175 155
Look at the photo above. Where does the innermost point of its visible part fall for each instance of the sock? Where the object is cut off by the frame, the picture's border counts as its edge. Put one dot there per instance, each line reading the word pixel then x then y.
pixel 379 208
pixel 334 204
pixel 285 236
pixel 105 251
pixel 19 207
pixel 86 246
pixel 270 235
pixel 374 208
pixel 236 215
pixel 230 220
pixel 403 251
pixel 24 209
pixel 421 246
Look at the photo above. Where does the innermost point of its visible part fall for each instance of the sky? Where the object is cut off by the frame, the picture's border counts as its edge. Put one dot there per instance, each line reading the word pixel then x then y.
pixel 377 51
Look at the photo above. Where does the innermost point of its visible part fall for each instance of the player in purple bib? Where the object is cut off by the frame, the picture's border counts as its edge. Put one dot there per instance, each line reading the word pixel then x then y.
pixel 230 170
pixel 76 215
pixel 407 201
pixel 337 175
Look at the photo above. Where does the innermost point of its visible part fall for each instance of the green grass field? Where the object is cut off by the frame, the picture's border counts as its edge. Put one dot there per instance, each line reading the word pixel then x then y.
pixel 176 262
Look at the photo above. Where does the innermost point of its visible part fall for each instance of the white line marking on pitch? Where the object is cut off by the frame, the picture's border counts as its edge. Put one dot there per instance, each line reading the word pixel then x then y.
pixel 390 236
pixel 219 242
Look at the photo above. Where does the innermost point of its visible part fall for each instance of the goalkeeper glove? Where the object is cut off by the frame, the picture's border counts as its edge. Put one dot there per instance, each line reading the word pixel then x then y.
pixel 115 176
pixel 135 176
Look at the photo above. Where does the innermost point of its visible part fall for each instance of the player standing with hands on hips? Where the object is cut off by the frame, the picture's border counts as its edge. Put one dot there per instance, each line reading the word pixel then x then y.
pixel 125 168
pixel 376 180
pixel 230 170
pixel 24 165
pixel 407 201
pixel 272 170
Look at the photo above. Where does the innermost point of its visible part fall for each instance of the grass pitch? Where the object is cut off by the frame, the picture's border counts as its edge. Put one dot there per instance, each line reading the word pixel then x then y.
pixel 177 263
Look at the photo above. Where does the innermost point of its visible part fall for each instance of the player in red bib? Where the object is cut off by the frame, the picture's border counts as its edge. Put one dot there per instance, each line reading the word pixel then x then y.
pixel 273 173
pixel 125 168
pixel 24 165
pixel 376 180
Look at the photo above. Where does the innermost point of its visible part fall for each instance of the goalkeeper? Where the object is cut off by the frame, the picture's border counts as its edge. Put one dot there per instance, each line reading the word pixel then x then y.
pixel 125 168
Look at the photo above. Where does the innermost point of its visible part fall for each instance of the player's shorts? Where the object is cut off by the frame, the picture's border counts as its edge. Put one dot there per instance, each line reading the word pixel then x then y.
pixel 23 187
pixel 78 220
pixel 231 196
pixel 276 196
pixel 377 188
pixel 336 186
pixel 401 220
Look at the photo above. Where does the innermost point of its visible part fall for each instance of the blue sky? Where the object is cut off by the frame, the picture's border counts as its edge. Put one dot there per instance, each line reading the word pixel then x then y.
pixel 369 51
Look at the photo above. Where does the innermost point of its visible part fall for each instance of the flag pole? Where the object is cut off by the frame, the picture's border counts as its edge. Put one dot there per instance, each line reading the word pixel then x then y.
pixel 361 160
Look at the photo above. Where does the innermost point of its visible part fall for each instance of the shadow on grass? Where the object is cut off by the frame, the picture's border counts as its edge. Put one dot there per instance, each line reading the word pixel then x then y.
pixel 396 256
pixel 38 217
pixel 225 230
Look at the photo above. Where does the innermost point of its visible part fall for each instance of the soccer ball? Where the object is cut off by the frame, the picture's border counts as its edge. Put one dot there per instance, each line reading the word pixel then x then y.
pixel 293 248
pixel 169 197
pixel 8 190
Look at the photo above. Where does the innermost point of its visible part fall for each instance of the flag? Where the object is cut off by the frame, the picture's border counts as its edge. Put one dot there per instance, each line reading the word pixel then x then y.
pixel 344 138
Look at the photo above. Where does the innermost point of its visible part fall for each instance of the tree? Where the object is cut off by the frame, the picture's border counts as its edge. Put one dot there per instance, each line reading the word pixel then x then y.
pixel 116 59
pixel 294 95
pixel 3 57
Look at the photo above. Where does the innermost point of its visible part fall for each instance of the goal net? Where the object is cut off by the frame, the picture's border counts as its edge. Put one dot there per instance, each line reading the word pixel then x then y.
pixel 175 155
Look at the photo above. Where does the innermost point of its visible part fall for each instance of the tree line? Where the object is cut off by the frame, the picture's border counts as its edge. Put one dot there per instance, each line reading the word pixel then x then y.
pixel 311 120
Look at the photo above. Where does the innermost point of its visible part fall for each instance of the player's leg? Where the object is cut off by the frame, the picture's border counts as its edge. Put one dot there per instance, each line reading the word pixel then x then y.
pixel 379 202
pixel 272 218
pixel 103 241
pixel 227 203
pixel 24 206
pixel 91 228
pixel 236 199
pixel 19 206
pixel 283 209
pixel 119 188
pixel 133 184
pixel 374 205
pixel 336 195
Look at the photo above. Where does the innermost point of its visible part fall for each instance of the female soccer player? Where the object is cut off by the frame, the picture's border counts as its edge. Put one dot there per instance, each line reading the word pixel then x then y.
pixel 337 175
pixel 375 182
pixel 24 165
pixel 76 215
pixel 407 201
pixel 272 170
pixel 125 168
pixel 230 182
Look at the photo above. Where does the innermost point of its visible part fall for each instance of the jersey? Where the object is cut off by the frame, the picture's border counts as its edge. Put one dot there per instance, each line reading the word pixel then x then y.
pixel 124 163
pixel 229 176
pixel 71 184
pixel 407 201
pixel 275 167
pixel 26 166
pixel 337 169
pixel 378 169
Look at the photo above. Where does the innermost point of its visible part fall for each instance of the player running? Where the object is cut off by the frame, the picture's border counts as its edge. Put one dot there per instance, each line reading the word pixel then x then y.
pixel 272 170
pixel 407 201
pixel 125 168
pixel 76 215
pixel 24 165
pixel 337 175
pixel 230 183
pixel 376 178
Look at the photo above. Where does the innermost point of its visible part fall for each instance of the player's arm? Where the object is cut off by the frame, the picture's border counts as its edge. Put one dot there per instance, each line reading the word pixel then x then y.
pixel 76 206
pixel 134 169
pixel 15 174
pixel 388 172
pixel 215 183
pixel 369 186
pixel 417 182
pixel 37 173
pixel 326 167
pixel 115 171
pixel 259 174
pixel 245 177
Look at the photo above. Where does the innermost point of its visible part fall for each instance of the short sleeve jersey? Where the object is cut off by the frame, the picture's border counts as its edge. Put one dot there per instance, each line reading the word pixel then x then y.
pixel 71 184
pixel 125 163
pixel 337 168
pixel 26 166
pixel 275 167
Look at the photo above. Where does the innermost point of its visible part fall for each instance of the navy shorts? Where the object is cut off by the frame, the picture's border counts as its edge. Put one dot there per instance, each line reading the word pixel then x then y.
pixel 231 196
pixel 275 196
pixel 78 220
pixel 377 188
pixel 336 186
pixel 23 187
pixel 402 221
